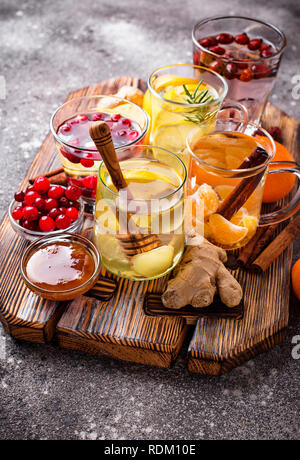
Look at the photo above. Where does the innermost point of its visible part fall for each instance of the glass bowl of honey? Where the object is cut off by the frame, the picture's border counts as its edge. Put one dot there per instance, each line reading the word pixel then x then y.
pixel 61 267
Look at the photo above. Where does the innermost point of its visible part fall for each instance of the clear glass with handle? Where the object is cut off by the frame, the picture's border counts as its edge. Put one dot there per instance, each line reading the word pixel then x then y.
pixel 215 175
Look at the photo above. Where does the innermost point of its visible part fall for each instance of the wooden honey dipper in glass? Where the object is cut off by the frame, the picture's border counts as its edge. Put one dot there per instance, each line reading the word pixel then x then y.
pixel 131 243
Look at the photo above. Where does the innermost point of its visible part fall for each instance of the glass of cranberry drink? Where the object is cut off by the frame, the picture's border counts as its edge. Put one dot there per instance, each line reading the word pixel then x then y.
pixel 246 52
pixel 79 156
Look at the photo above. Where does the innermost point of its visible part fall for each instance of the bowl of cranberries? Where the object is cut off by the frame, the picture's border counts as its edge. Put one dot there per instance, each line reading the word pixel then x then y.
pixel 44 208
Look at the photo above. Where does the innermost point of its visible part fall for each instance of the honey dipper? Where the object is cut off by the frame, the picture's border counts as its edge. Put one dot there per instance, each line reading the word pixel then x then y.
pixel 131 244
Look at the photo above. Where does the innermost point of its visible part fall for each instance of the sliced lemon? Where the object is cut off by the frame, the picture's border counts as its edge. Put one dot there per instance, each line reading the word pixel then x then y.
pixel 225 232
pixel 107 220
pixel 163 81
pixel 173 136
pixel 147 103
pixel 109 247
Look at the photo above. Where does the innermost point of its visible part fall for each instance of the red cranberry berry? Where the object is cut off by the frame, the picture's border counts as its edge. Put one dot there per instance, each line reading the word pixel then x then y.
pixel 30 213
pixel 30 188
pixel 87 163
pixel 29 224
pixel 196 58
pixel 122 133
pixel 275 132
pixel 98 116
pixel 246 75
pixel 65 128
pixel 56 191
pixel 17 213
pixel 217 66
pixel 63 202
pixel 242 39
pixel 207 42
pixel 115 117
pixel 41 184
pixel 125 122
pixel 72 192
pixel 73 181
pixel 62 210
pixel 230 71
pixel 260 70
pixel 259 132
pixel 72 213
pixel 30 197
pixel 53 213
pixel 266 53
pixel 75 121
pixel 19 196
pixel 83 118
pixel 50 203
pixel 132 135
pixel 39 203
pixel 72 157
pixel 90 182
pixel 62 222
pixel 255 44
pixel 217 50
pixel 47 224
pixel 224 39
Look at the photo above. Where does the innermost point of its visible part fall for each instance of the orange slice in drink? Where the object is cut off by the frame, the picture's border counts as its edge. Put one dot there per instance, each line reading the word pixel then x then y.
pixel 225 232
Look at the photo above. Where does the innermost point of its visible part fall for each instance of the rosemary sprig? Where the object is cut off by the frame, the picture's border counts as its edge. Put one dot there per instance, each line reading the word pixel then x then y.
pixel 201 114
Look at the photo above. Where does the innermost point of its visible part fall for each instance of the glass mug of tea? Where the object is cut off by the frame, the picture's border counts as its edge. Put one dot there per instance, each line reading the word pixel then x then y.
pixel 246 52
pixel 151 206
pixel 231 187
pixel 183 96
pixel 79 156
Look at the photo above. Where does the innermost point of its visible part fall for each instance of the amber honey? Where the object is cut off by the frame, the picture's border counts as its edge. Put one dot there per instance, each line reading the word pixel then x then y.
pixel 61 268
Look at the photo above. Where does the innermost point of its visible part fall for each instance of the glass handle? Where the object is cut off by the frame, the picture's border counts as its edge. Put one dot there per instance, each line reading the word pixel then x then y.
pixel 230 108
pixel 293 205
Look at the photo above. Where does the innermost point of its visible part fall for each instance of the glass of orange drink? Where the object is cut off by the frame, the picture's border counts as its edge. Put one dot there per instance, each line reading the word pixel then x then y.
pixel 215 173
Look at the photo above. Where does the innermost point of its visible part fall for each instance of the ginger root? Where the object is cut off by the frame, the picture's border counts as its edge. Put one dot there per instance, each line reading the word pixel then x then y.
pixel 199 276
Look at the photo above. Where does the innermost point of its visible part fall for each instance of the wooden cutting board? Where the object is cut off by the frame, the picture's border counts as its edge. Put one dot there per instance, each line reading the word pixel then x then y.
pixel 111 320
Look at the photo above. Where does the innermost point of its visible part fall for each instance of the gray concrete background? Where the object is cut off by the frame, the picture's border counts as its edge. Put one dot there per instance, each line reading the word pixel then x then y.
pixel 49 48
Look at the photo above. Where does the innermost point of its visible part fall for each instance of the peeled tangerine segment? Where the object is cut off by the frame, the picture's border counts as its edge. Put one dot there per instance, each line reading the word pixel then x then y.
pixel 154 262
pixel 225 232
pixel 238 218
pixel 210 199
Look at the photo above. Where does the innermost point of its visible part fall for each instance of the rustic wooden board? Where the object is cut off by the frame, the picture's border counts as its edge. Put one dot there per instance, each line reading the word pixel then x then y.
pixel 117 325
pixel 218 345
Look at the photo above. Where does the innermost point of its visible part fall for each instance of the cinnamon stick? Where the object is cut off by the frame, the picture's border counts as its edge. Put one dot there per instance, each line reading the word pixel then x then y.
pixel 277 246
pixel 256 245
pixel 49 174
pixel 237 198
